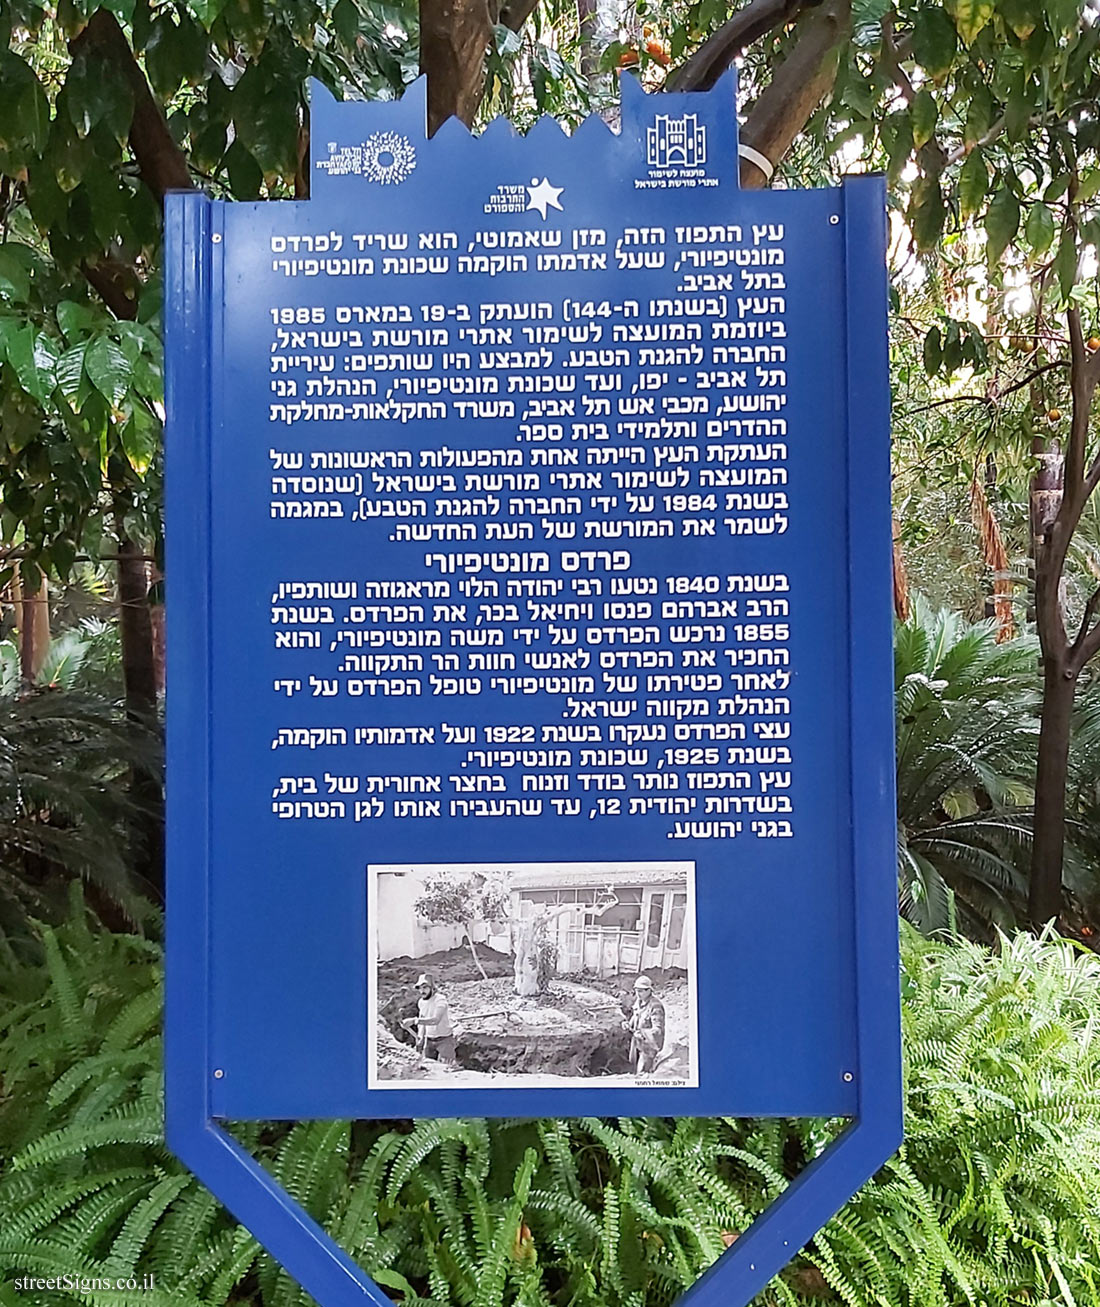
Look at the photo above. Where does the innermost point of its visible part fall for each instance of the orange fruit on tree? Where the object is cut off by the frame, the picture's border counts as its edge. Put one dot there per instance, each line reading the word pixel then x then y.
pixel 1054 414
pixel 658 51
pixel 1093 343
pixel 627 58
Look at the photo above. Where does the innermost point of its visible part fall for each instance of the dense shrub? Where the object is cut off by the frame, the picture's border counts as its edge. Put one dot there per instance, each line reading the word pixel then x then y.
pixel 995 1198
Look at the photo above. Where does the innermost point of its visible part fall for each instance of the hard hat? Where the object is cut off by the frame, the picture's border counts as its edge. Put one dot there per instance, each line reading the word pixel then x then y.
pixel 643 982
pixel 424 980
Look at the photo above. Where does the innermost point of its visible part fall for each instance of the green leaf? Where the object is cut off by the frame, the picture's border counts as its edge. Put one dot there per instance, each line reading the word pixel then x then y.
pixel 924 114
pixel 1002 221
pixel 95 94
pixel 70 369
pixel 19 347
pixel 1064 16
pixel 934 40
pixel 24 109
pixel 46 354
pixel 896 132
pixel 932 351
pixel 971 16
pixel 206 10
pixel 1022 16
pixel 162 57
pixel 68 155
pixel 1065 262
pixel 927 212
pixel 1089 185
pixel 1056 188
pixel 346 21
pixel 506 41
pixel 1039 227
pixel 48 203
pixel 62 556
pixel 191 48
pixel 108 369
pixel 1018 107
pixel 74 319
pixel 952 346
pixel 973 184
pixel 15 274
pixel 265 118
pixel 393 1280
pixel 245 174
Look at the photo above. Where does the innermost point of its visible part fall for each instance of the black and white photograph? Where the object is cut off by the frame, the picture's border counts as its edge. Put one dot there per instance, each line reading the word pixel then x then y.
pixel 532 974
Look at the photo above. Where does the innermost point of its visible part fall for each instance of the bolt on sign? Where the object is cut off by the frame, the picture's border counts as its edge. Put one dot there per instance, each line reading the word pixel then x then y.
pixel 530 646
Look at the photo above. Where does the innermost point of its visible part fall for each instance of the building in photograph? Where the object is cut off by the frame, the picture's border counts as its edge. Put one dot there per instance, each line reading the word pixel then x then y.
pixel 645 927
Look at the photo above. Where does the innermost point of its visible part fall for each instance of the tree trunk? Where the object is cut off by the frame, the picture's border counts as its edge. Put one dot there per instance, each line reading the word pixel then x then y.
pixel 473 951
pixel 1045 895
pixel 901 577
pixel 525 965
pixel 454 37
pixel 140 687
pixel 33 616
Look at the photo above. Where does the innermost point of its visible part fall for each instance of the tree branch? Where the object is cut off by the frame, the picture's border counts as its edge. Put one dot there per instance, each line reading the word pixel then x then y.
pixel 1087 641
pixel 1081 392
pixel 989 137
pixel 989 399
pixel 703 68
pixel 798 86
pixel 514 15
pixel 116 283
pixel 892 61
pixel 161 163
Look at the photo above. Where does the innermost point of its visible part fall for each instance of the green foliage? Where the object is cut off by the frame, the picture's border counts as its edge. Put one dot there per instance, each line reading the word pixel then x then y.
pixel 994 1199
pixel 995 1196
pixel 81 382
pixel 966 732
pixel 64 802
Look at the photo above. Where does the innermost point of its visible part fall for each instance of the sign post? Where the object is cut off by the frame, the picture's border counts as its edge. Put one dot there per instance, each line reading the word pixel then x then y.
pixel 530 736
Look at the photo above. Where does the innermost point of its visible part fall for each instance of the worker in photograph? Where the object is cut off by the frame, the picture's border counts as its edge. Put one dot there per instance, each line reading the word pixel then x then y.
pixel 646 1024
pixel 432 1023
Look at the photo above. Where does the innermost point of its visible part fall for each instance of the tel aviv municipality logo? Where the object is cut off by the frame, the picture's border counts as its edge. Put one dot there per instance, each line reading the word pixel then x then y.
pixel 676 142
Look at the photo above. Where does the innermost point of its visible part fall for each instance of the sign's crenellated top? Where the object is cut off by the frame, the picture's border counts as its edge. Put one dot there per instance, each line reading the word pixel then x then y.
pixel 663 142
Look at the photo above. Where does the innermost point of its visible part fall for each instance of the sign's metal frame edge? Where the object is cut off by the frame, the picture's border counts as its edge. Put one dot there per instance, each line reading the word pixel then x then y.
pixel 307 1252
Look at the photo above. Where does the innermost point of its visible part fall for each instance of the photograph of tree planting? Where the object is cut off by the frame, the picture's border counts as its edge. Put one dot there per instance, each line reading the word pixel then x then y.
pixel 532 974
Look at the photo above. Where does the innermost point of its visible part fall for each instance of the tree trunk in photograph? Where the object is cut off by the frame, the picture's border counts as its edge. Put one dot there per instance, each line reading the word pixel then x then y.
pixel 139 679
pixel 525 963
pixel 1045 896
pixel 473 951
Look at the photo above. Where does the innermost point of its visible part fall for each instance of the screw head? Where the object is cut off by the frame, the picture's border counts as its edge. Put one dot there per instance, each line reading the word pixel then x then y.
pixel 219 1074
pixel 216 238
pixel 848 1077
pixel 834 218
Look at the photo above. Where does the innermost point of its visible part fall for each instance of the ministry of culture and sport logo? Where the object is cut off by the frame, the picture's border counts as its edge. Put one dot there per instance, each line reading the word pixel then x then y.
pixel 676 142
pixel 388 158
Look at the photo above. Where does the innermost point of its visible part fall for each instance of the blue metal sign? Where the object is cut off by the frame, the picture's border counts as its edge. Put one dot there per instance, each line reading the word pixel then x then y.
pixel 530 739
